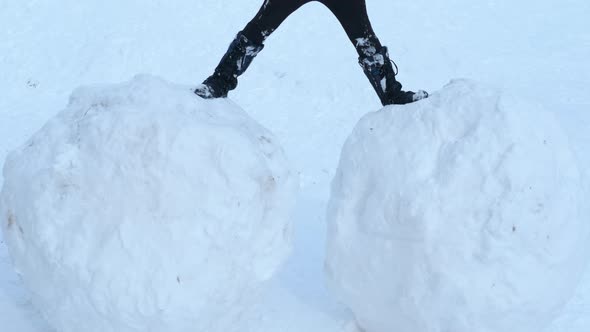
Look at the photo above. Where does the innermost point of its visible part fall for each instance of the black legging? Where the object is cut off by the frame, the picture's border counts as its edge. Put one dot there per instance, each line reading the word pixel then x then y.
pixel 352 14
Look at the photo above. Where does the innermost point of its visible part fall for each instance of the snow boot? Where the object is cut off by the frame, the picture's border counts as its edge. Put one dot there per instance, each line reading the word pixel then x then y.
pixel 379 70
pixel 234 63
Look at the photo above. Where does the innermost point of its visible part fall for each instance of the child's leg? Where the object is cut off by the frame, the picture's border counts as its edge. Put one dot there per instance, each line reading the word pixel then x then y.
pixel 246 46
pixel 352 15
pixel 269 18
pixel 373 57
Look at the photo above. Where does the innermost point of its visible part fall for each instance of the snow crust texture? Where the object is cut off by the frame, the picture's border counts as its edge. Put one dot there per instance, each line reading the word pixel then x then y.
pixel 141 207
pixel 460 213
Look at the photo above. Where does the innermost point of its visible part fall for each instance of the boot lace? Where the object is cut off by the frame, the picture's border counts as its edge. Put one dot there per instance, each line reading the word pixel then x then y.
pixel 396 68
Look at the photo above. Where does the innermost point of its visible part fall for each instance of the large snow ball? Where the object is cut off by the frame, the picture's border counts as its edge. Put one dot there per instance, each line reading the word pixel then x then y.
pixel 142 207
pixel 460 213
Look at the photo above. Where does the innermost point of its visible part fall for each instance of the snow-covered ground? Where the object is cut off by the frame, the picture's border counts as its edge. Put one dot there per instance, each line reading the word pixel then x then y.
pixel 305 86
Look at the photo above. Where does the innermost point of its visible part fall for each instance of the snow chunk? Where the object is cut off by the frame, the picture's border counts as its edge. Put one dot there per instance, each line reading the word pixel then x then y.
pixel 459 213
pixel 142 207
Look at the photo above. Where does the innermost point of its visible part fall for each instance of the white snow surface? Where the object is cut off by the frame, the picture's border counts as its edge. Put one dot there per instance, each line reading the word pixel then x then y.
pixel 142 207
pixel 463 212
pixel 306 87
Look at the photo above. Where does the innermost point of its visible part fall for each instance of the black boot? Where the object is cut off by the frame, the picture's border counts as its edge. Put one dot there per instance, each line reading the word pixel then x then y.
pixel 234 63
pixel 379 70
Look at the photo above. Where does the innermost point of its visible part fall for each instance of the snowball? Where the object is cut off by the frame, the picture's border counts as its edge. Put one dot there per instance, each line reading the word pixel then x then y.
pixel 142 207
pixel 459 213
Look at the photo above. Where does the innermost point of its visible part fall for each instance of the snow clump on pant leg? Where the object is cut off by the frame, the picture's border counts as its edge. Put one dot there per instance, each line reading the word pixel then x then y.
pixel 463 212
pixel 142 207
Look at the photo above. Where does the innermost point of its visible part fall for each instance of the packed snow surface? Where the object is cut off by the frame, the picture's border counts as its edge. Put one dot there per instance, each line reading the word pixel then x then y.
pixel 306 87
pixel 142 207
pixel 462 213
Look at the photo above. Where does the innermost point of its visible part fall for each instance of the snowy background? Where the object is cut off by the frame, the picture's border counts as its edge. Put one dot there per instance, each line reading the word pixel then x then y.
pixel 305 86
